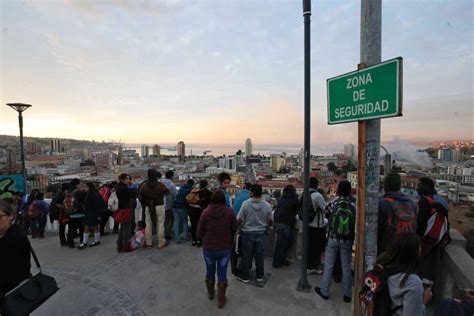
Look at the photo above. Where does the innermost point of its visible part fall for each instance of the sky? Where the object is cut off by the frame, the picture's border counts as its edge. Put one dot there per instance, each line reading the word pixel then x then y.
pixel 218 72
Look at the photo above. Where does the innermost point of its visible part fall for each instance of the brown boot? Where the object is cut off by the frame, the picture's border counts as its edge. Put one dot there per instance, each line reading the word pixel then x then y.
pixel 210 288
pixel 221 288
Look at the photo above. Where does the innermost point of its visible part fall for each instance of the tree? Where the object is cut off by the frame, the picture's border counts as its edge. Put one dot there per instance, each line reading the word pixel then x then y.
pixel 332 166
pixel 276 194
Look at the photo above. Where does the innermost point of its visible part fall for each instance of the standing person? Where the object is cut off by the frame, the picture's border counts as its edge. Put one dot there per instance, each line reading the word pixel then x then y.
pixel 195 210
pixel 397 213
pixel 316 229
pixel 432 213
pixel 27 200
pixel 224 181
pixel 216 228
pixel 253 219
pixel 73 207
pixel 406 290
pixel 180 212
pixel 168 182
pixel 241 197
pixel 15 249
pixel 105 191
pixel 288 206
pixel 124 213
pixel 94 207
pixel 341 237
pixel 133 188
pixel 63 219
pixel 151 195
pixel 38 214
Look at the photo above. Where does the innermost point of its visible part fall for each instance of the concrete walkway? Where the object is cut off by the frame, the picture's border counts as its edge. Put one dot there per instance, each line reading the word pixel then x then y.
pixel 98 281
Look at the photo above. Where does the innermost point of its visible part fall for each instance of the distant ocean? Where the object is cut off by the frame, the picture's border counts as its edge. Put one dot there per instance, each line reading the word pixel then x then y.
pixel 219 150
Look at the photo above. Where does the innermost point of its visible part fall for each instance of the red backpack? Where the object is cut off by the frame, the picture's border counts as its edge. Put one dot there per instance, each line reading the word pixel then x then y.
pixel 437 227
pixel 404 215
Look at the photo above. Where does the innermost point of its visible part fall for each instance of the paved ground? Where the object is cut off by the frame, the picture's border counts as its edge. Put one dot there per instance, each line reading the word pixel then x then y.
pixel 98 281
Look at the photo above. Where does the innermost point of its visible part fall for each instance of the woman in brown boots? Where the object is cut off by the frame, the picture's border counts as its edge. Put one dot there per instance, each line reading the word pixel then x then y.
pixel 216 228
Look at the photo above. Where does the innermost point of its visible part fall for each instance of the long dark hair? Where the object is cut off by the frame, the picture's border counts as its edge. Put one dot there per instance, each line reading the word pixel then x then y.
pixel 218 197
pixel 404 252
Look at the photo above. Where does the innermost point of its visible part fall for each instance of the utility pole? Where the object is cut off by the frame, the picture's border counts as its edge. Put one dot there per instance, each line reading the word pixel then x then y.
pixel 370 54
pixel 303 284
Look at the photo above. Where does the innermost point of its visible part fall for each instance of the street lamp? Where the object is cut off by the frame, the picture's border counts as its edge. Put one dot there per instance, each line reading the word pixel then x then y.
pixel 20 107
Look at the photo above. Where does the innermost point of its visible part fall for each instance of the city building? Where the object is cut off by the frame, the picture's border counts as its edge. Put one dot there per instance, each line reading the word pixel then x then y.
pixel 457 155
pixel 445 154
pixel 32 147
pixel 301 158
pixel 350 151
pixel 230 163
pixel 102 159
pixel 145 151
pixel 248 147
pixel 11 159
pixel 276 162
pixel 156 150
pixel 55 146
pixel 181 150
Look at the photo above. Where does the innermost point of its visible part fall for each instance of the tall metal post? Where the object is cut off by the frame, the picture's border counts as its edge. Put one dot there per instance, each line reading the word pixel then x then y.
pixel 303 284
pixel 370 54
pixel 22 152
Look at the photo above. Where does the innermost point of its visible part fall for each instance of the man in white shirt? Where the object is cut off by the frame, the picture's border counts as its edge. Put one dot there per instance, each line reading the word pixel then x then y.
pixel 317 229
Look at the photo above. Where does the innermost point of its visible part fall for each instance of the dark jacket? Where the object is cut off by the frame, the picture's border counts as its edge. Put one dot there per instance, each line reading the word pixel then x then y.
pixel 180 199
pixel 151 194
pixel 386 233
pixel 217 227
pixel 124 196
pixel 94 204
pixel 204 198
pixel 15 263
pixel 287 209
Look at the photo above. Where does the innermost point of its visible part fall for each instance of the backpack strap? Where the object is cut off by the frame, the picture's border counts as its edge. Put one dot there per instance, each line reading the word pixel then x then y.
pixel 36 259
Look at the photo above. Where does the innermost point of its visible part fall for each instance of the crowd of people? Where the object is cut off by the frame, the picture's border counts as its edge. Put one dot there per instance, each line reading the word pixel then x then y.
pixel 406 252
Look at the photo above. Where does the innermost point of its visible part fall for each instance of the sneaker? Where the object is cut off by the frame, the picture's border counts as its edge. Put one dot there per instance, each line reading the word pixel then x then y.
pixel 347 299
pixel 243 280
pixel 82 246
pixel 259 280
pixel 94 243
pixel 319 271
pixel 318 291
pixel 311 271
pixel 199 244
pixel 166 244
pixel 194 244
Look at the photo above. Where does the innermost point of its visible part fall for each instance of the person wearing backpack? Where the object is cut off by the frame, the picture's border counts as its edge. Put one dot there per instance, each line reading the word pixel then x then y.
pixel 152 194
pixel 397 213
pixel 341 231
pixel 433 229
pixel 198 200
pixel 123 214
pixel 316 228
pixel 58 200
pixel 393 287
pixel 73 208
pixel 180 212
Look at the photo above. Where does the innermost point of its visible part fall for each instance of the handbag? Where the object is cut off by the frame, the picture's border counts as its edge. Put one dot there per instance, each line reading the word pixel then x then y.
pixel 123 215
pixel 30 294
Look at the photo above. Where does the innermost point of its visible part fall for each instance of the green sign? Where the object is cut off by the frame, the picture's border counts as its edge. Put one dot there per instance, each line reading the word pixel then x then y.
pixel 371 93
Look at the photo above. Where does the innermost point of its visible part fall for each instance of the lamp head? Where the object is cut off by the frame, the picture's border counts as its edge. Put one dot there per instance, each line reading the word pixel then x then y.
pixel 19 107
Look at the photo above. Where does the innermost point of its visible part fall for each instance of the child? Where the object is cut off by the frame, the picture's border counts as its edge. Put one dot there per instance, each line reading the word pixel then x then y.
pixel 138 238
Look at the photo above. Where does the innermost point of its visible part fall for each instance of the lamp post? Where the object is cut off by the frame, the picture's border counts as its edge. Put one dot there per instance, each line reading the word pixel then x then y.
pixel 20 108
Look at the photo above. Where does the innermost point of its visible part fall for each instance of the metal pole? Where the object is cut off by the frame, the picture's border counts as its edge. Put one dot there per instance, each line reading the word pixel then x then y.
pixel 303 284
pixel 370 54
pixel 22 151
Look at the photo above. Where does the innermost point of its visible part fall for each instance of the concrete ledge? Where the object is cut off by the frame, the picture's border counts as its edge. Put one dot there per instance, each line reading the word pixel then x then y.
pixel 457 239
pixel 459 265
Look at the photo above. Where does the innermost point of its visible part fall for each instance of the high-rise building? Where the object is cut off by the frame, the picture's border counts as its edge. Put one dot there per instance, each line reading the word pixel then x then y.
pixel 120 156
pixel 11 159
pixel 145 151
pixel 230 163
pixel 445 154
pixel 102 159
pixel 276 162
pixel 181 150
pixel 457 154
pixel 301 158
pixel 248 147
pixel 156 150
pixel 349 151
pixel 32 147
pixel 55 146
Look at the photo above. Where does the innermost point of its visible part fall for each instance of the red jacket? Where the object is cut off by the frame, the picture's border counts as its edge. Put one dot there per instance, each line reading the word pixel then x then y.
pixel 217 227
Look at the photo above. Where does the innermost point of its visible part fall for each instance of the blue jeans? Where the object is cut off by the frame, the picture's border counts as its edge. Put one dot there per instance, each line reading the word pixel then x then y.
pixel 38 224
pixel 219 258
pixel 253 243
pixel 180 224
pixel 283 241
pixel 345 250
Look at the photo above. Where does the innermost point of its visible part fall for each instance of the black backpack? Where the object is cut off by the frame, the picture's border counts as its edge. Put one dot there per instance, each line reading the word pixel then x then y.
pixel 375 294
pixel 312 211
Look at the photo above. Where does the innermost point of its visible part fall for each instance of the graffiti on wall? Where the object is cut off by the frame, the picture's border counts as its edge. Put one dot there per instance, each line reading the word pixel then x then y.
pixel 10 184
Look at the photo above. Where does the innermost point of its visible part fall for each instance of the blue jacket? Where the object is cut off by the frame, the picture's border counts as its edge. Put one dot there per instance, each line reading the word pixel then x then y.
pixel 180 199
pixel 240 198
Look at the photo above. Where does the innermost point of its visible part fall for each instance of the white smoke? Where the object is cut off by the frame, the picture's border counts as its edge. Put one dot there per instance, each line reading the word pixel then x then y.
pixel 406 153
